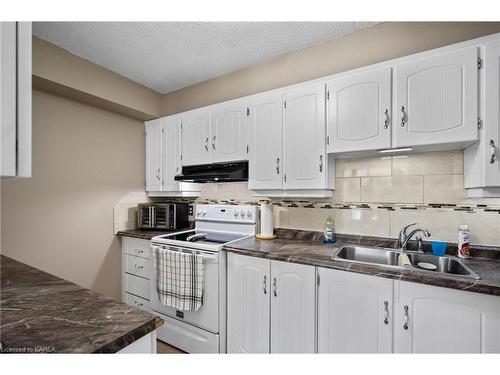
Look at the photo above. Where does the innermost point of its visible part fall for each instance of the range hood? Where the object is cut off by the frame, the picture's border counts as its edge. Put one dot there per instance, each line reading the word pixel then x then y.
pixel 216 172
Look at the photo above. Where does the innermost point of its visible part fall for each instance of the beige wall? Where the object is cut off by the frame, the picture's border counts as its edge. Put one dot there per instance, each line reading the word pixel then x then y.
pixel 61 220
pixel 379 43
pixel 59 71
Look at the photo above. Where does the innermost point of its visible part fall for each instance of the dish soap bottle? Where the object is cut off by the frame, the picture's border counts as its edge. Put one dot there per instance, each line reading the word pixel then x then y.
pixel 463 241
pixel 329 231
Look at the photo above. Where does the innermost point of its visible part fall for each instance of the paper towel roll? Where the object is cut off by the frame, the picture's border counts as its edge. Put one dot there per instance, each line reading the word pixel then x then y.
pixel 266 219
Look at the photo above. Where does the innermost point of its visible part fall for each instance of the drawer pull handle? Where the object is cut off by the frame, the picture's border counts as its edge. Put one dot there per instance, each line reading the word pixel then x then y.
pixel 407 318
pixel 403 116
pixel 265 284
pixel 139 251
pixel 386 312
pixel 275 291
pixel 140 304
pixel 138 266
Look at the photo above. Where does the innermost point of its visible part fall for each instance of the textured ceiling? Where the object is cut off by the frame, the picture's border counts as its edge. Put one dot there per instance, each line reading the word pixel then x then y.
pixel 167 56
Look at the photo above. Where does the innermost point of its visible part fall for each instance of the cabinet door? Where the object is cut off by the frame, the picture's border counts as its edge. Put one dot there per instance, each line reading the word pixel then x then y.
pixel 491 120
pixel 354 313
pixel 292 308
pixel 229 132
pixel 431 319
pixel 359 107
pixel 8 100
pixel 266 142
pixel 195 137
pixel 247 304
pixel 171 155
pixel 304 137
pixel 436 99
pixel 153 155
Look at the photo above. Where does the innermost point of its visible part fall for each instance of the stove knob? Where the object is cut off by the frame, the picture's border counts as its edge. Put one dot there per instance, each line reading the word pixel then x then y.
pixel 235 213
pixel 204 212
pixel 249 213
pixel 242 213
pixel 198 212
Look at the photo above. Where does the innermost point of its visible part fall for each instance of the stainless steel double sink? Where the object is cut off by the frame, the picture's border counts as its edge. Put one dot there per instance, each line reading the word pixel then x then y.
pixel 445 265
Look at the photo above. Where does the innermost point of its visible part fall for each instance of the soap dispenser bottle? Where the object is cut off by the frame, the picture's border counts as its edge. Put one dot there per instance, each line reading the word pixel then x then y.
pixel 329 232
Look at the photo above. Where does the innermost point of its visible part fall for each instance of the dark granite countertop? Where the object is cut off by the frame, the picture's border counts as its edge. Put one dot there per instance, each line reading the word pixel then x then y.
pixel 299 247
pixel 145 234
pixel 44 313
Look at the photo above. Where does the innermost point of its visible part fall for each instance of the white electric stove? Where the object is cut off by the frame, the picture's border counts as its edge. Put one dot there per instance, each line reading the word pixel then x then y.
pixel 204 330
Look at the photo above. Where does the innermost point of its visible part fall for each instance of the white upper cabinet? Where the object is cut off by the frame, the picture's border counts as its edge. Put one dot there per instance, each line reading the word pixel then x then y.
pixel 354 313
pixel 304 137
pixel 482 159
pixel 163 159
pixel 491 110
pixel 153 155
pixel 266 142
pixel 359 111
pixel 171 152
pixel 437 99
pixel 248 288
pixel 430 319
pixel 15 99
pixel 229 131
pixel 293 308
pixel 196 147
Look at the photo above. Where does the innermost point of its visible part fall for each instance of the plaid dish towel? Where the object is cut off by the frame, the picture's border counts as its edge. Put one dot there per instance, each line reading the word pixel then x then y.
pixel 179 278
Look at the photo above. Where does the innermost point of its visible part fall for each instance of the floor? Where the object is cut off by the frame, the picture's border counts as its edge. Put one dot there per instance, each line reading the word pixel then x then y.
pixel 164 348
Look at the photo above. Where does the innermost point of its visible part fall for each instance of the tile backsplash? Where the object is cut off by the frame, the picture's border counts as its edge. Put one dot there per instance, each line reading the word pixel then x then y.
pixel 378 195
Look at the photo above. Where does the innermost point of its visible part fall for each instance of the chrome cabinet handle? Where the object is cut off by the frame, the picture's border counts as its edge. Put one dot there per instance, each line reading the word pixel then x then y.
pixel 213 142
pixel 138 303
pixel 277 165
pixel 138 267
pixel 403 116
pixel 386 312
pixel 321 163
pixel 386 118
pixel 177 170
pixel 264 282
pixel 158 174
pixel 138 251
pixel 492 151
pixel 407 318
pixel 206 143
pixel 275 291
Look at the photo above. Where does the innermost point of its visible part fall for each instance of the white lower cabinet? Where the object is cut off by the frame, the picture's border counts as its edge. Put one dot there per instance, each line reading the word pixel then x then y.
pixel 271 306
pixel 292 308
pixel 431 319
pixel 247 304
pixel 354 313
pixel 136 272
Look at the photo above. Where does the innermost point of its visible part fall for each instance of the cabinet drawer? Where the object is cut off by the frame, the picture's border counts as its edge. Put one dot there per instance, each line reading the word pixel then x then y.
pixel 187 337
pixel 138 266
pixel 138 302
pixel 137 247
pixel 136 285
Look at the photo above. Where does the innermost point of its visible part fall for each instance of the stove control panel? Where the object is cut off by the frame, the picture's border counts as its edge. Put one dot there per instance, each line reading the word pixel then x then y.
pixel 227 213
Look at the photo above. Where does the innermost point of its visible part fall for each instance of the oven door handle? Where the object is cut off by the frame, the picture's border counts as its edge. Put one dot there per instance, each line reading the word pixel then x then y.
pixel 209 257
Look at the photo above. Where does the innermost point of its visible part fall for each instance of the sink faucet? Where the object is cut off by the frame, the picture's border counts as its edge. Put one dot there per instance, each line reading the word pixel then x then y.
pixel 404 237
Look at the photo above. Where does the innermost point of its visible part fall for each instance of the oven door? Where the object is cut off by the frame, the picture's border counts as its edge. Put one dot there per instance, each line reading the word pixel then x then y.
pixel 207 316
